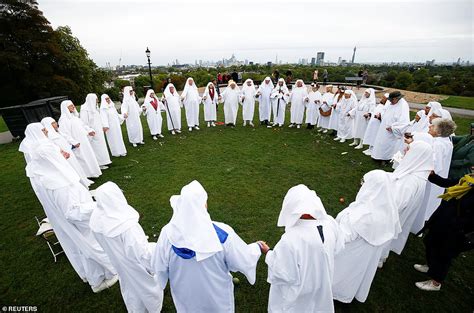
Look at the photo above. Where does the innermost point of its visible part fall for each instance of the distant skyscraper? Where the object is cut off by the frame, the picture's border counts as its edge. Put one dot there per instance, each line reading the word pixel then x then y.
pixel 354 54
pixel 320 58
pixel 313 61
pixel 339 61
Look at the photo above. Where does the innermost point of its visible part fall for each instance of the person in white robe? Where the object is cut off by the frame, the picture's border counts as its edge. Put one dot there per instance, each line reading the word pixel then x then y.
pixel 247 98
pixel 374 124
pixel 173 105
pixel 280 95
pixel 231 97
pixel 68 206
pixel 131 111
pixel 410 182
pixel 264 94
pixel 197 255
pixel 301 265
pixel 91 117
pixel 191 100
pixel 326 106
pixel 361 118
pixel 115 226
pixel 152 108
pixel 437 111
pixel 210 98
pixel 386 144
pixel 71 125
pixel 368 224
pixel 65 143
pixel 440 129
pixel 298 99
pixel 346 121
pixel 421 121
pixel 312 106
pixel 111 121
pixel 336 103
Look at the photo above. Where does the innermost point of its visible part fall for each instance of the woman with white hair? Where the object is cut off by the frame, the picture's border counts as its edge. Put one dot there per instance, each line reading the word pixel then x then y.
pixel 441 129
pixel 68 206
pixel 367 225
pixel 91 117
pixel 190 99
pixel 361 119
pixel 345 125
pixel 247 98
pixel 131 111
pixel 152 110
pixel 65 143
pixel 279 96
pixel 116 228
pixel 298 99
pixel 173 106
pixel 374 124
pixel 300 267
pixel 231 97
pixel 111 121
pixel 71 125
pixel 264 93
pixel 210 98
pixel 197 255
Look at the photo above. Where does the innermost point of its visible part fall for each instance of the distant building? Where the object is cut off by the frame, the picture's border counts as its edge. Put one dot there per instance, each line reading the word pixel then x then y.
pixel 339 60
pixel 313 61
pixel 354 55
pixel 320 58
pixel 430 63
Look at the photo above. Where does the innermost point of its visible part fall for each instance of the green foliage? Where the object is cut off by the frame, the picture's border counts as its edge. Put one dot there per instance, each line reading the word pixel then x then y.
pixel 37 61
pixel 404 79
pixel 459 102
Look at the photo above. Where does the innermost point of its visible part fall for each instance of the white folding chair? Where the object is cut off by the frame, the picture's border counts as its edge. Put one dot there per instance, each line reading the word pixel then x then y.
pixel 46 232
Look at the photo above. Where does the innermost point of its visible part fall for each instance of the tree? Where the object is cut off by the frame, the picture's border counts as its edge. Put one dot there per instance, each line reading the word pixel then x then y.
pixel 404 79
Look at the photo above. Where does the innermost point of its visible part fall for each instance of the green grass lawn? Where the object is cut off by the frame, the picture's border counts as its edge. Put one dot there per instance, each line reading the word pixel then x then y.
pixel 3 126
pixel 246 173
pixel 459 102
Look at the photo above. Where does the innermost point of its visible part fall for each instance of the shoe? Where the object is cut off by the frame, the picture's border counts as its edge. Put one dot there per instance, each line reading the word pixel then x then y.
pixel 270 126
pixel 161 136
pixel 380 265
pixel 208 124
pixel 173 133
pixel 353 144
pixel 320 130
pixel 213 124
pixel 111 281
pixel 245 124
pixel 360 146
pixel 123 155
pixel 100 287
pixel 178 131
pixel 155 138
pixel 337 139
pixel 190 129
pixel 325 131
pixel 251 124
pixel 103 167
pixel 196 127
pixel 291 125
pixel 343 140
pixel 421 268
pixel 298 126
pixel 280 125
pixel 141 143
pixel 134 145
pixel 367 152
pixel 428 285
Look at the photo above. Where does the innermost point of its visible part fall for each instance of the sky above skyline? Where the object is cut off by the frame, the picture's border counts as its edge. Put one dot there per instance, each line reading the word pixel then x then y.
pixel 382 30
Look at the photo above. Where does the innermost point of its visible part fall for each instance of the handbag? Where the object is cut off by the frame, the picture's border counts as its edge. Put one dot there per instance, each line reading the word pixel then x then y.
pixel 327 113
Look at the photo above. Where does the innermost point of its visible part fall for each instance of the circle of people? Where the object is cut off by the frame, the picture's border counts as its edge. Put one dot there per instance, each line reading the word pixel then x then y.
pixel 317 259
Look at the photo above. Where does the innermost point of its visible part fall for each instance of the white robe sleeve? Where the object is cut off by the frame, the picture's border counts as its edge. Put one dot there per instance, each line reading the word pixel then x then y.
pixel 283 264
pixel 138 248
pixel 104 118
pixel 161 258
pixel 71 205
pixel 239 256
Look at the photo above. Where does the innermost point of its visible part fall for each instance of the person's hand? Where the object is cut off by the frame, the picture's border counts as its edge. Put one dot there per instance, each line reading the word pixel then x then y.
pixel 65 154
pixel 77 145
pixel 92 133
pixel 389 129
pixel 263 246
pixel 144 108
pixel 105 129
pixel 204 98
pixel 432 173
pixel 125 115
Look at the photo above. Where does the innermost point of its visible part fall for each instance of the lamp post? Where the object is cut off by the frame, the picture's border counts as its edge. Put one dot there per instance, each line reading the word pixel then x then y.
pixel 147 52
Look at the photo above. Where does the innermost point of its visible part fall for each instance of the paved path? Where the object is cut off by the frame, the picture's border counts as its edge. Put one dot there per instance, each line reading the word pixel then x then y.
pixel 454 111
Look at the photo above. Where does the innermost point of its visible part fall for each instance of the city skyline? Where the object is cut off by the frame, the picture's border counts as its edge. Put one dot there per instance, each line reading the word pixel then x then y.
pixel 118 32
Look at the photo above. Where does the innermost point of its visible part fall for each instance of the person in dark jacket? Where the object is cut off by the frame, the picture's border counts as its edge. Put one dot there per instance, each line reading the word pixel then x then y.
pixel 449 231
pixel 463 155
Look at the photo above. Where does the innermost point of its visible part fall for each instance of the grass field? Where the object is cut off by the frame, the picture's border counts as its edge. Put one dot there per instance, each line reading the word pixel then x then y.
pixel 3 126
pixel 459 102
pixel 246 173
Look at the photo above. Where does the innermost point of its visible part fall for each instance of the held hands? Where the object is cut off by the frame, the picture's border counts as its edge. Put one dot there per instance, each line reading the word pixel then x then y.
pixel 125 115
pixel 105 129
pixel 263 246
pixel 65 154
pixel 389 129
pixel 92 133
pixel 77 145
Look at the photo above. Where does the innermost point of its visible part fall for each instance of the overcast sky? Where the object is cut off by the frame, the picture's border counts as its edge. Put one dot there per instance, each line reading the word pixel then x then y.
pixel 258 30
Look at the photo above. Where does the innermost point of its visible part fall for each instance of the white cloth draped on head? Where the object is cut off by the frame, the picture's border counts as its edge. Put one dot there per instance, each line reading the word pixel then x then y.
pixel 300 200
pixel 126 93
pixel 188 87
pixel 113 215
pixel 90 104
pixel 103 103
pixel 283 87
pixel 33 137
pixel 191 226
pixel 302 84
pixel 51 168
pixel 417 161
pixel 247 87
pixel 373 214
pixel 167 92
pixel 148 98
pixel 47 123
pixel 264 83
pixel 419 136
pixel 437 109
pixel 65 113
